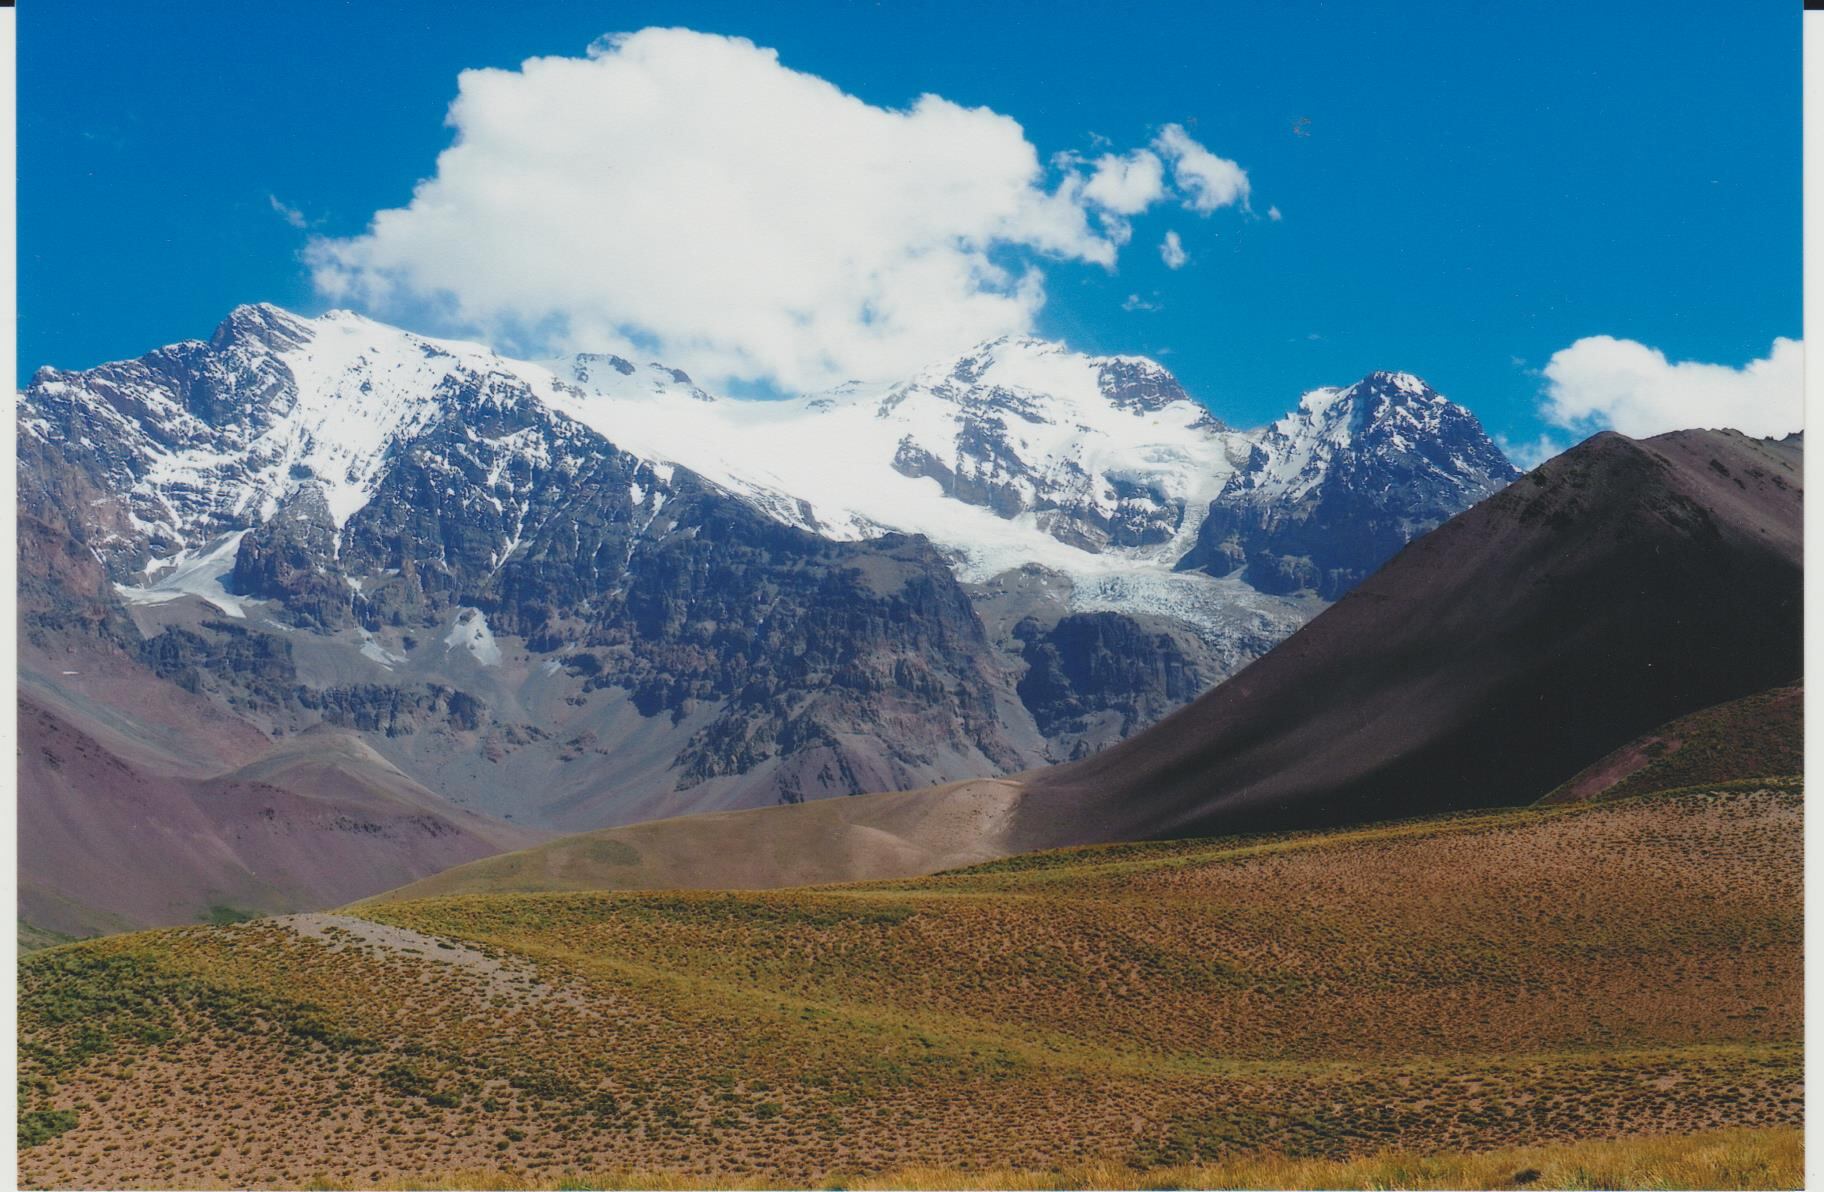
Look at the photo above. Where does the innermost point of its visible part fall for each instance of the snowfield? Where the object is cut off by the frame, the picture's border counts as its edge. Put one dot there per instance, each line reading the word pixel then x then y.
pixel 187 573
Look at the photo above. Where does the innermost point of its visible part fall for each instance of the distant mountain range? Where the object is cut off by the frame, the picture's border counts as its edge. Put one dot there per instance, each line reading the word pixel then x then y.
pixel 1554 627
pixel 587 592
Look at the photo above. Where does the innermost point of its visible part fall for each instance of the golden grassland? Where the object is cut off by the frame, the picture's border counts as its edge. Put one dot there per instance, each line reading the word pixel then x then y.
pixel 1772 1158
pixel 1393 1006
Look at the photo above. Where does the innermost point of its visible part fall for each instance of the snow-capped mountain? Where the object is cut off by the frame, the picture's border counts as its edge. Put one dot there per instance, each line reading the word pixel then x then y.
pixel 499 568
pixel 204 438
pixel 1103 452
pixel 988 454
pixel 1337 486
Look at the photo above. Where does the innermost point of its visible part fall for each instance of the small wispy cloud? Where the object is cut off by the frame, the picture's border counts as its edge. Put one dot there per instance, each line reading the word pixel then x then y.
pixel 1171 251
pixel 1136 302
pixel 1126 185
pixel 1205 180
pixel 288 213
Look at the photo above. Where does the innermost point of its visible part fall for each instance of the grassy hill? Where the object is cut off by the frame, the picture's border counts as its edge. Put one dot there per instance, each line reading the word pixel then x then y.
pixel 1756 735
pixel 892 835
pixel 1538 978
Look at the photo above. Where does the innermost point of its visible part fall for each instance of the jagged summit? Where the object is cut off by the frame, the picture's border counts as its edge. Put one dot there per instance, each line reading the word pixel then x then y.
pixel 1401 382
pixel 207 438
pixel 262 323
pixel 1373 395
pixel 1019 450
pixel 608 375
pixel 1387 457
pixel 1017 363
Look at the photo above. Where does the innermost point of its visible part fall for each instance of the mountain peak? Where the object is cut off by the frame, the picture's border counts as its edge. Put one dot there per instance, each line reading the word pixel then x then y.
pixel 1404 383
pixel 1378 387
pixel 1026 363
pixel 605 374
pixel 1398 409
pixel 1143 385
pixel 971 366
pixel 263 324
pixel 1388 456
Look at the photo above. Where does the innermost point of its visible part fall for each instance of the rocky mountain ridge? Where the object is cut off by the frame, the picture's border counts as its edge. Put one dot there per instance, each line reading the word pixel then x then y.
pixel 1334 488
pixel 590 591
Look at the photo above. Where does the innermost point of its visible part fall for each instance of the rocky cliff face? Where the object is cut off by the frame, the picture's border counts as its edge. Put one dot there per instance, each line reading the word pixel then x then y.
pixel 592 592
pixel 842 665
pixel 1096 677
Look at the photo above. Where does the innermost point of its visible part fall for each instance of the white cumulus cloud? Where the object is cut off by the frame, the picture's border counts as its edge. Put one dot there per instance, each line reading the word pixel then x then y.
pixel 1206 180
pixel 1171 251
pixel 1126 185
pixel 686 196
pixel 1603 382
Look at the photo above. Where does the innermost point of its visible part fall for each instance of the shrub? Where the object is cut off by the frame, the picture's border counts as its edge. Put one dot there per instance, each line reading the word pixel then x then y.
pixel 42 1125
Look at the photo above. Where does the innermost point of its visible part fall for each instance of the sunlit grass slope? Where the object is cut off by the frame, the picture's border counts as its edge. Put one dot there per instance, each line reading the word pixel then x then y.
pixel 1256 1007
pixel 1769 1158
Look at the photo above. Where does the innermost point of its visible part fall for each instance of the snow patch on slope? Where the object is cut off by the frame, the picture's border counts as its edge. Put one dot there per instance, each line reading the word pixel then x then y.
pixel 372 650
pixel 469 631
pixel 191 573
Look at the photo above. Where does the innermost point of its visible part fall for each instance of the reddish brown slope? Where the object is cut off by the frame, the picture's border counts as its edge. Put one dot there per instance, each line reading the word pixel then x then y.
pixel 1619 586
pixel 107 843
pixel 1758 736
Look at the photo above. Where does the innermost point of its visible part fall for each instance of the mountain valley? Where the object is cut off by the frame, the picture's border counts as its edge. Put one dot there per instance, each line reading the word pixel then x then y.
pixel 1622 585
pixel 568 596
pixel 1242 804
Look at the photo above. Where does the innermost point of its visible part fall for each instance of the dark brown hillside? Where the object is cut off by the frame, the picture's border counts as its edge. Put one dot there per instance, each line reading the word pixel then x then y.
pixel 1612 589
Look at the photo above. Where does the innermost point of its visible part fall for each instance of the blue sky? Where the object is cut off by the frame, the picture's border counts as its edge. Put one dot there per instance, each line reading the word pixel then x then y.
pixel 1465 189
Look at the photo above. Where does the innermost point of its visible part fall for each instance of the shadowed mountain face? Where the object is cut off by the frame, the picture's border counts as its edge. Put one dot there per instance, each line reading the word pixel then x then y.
pixel 1608 591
